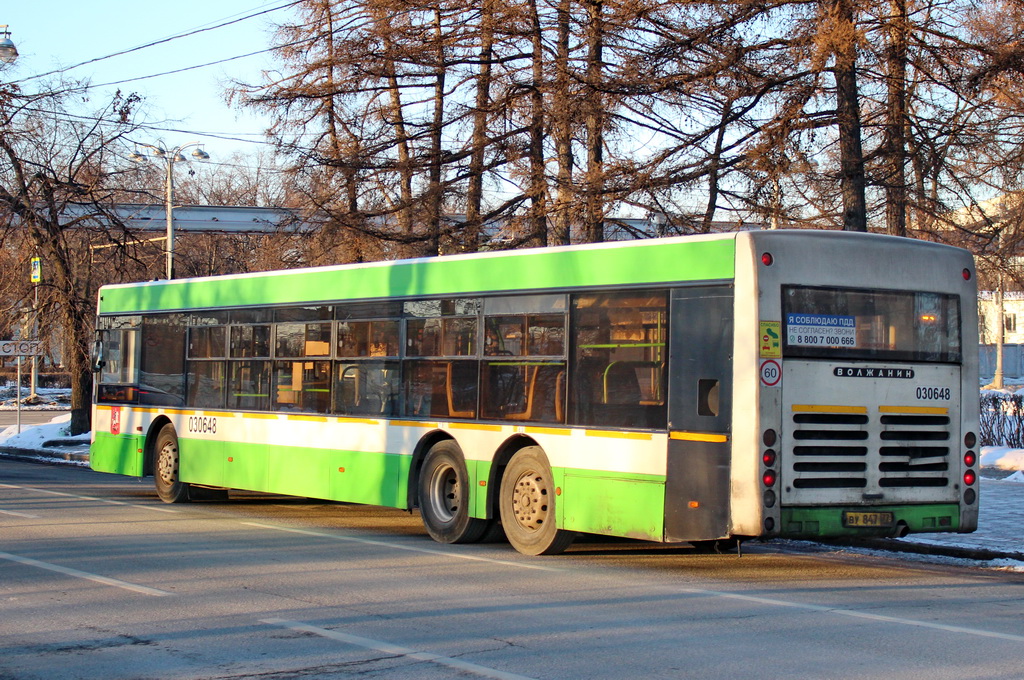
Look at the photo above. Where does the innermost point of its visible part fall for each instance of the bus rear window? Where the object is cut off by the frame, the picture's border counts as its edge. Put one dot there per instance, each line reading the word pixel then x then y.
pixel 873 325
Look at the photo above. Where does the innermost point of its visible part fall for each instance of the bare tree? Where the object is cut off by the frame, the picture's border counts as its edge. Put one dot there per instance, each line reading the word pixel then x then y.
pixel 57 192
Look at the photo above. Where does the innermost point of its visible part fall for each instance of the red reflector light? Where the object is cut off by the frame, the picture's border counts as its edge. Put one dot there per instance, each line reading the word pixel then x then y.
pixel 967 274
pixel 767 259
pixel 768 477
pixel 769 457
pixel 970 478
pixel 970 458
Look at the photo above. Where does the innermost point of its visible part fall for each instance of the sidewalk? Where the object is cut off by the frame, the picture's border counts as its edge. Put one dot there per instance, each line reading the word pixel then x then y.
pixel 1000 533
pixel 51 450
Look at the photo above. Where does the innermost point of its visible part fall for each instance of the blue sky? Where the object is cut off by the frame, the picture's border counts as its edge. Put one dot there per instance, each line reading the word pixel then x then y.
pixel 51 35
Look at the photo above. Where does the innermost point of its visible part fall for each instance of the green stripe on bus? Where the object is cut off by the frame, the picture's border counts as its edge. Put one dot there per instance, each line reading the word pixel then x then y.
pixel 618 504
pixel 814 522
pixel 330 474
pixel 637 263
pixel 117 454
pixel 594 501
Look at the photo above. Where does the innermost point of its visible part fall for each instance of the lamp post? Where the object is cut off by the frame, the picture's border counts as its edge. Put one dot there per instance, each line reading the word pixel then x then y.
pixel 170 158
pixel 8 52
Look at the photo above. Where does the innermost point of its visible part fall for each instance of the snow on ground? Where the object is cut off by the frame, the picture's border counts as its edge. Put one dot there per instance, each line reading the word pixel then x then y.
pixel 33 436
pixel 49 399
pixel 1003 458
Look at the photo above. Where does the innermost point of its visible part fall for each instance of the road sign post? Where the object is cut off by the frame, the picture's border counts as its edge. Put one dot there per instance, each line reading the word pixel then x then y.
pixel 35 278
pixel 20 348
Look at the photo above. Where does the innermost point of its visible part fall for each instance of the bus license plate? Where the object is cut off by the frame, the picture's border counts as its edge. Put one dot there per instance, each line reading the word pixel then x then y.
pixel 868 519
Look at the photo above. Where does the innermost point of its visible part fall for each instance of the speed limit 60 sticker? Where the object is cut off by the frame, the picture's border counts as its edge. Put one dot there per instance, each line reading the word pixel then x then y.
pixel 771 373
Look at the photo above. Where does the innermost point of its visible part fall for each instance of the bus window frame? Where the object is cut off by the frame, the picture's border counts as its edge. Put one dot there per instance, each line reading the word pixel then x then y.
pixel 950 354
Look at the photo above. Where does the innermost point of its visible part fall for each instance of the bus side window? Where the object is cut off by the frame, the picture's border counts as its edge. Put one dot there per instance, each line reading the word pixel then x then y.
pixel 619 370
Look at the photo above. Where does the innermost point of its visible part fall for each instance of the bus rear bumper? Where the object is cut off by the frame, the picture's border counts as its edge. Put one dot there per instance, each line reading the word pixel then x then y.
pixel 871 521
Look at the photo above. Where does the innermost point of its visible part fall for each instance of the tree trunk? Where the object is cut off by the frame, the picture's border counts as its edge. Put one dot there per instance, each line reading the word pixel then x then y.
pixel 481 113
pixel 895 144
pixel 538 231
pixel 851 155
pixel 562 122
pixel 594 217
pixel 435 192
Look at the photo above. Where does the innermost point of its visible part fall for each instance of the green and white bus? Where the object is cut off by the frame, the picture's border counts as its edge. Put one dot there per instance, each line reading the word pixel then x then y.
pixel 695 389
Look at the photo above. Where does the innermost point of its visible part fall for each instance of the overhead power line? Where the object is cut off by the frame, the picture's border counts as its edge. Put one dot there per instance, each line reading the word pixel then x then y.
pixel 160 42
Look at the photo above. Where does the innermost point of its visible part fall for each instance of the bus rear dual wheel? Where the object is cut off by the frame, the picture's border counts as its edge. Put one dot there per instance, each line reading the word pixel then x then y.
pixel 527 505
pixel 526 498
pixel 444 497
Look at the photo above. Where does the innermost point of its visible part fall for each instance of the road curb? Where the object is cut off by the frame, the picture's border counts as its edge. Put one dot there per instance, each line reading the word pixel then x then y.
pixel 54 456
pixel 962 552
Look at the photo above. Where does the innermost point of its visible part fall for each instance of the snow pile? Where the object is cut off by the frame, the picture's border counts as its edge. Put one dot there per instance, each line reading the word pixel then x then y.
pixel 1002 457
pixel 48 399
pixel 33 436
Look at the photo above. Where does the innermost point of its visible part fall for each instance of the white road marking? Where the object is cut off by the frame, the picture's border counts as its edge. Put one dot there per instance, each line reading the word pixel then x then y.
pixel 851 613
pixel 388 648
pixel 18 514
pixel 154 508
pixel 410 548
pixel 67 571
pixel 772 602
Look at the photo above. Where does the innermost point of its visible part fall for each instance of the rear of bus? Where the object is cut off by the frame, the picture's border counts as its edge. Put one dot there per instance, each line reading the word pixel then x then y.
pixel 866 385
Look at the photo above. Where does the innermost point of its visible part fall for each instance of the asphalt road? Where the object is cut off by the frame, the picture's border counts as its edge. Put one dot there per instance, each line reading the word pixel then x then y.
pixel 100 580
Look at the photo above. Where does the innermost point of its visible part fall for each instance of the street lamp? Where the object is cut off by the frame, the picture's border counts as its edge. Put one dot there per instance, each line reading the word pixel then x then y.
pixel 170 158
pixel 8 52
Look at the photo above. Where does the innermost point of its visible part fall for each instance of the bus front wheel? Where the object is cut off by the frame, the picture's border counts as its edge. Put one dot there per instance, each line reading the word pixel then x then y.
pixel 165 467
pixel 528 505
pixel 444 496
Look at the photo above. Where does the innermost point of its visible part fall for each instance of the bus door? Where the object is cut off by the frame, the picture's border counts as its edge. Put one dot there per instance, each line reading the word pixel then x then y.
pixel 697 481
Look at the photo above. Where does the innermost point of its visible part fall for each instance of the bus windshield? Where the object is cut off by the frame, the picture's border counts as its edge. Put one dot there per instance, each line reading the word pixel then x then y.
pixel 826 323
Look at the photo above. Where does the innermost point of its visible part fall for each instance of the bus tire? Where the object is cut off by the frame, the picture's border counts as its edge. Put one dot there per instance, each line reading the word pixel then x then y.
pixel 444 496
pixel 165 467
pixel 527 503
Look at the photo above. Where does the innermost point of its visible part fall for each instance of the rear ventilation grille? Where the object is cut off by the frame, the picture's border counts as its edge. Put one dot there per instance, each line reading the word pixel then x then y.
pixel 852 450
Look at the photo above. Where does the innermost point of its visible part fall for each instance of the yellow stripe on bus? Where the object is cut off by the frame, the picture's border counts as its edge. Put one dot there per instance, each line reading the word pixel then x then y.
pixel 928 410
pixel 546 430
pixel 699 437
pixel 412 423
pixel 475 426
pixel 825 408
pixel 619 435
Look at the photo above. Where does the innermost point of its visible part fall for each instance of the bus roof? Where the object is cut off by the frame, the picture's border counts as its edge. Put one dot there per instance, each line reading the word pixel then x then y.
pixel 661 261
pixel 632 263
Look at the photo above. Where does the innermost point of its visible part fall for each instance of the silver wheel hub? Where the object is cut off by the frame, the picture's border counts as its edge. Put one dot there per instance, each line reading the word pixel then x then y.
pixel 529 501
pixel 167 462
pixel 444 493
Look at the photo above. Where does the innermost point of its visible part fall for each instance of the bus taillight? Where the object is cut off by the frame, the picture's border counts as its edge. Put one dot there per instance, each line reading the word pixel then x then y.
pixel 970 439
pixel 970 478
pixel 970 458
pixel 767 259
pixel 967 274
pixel 768 457
pixel 769 477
